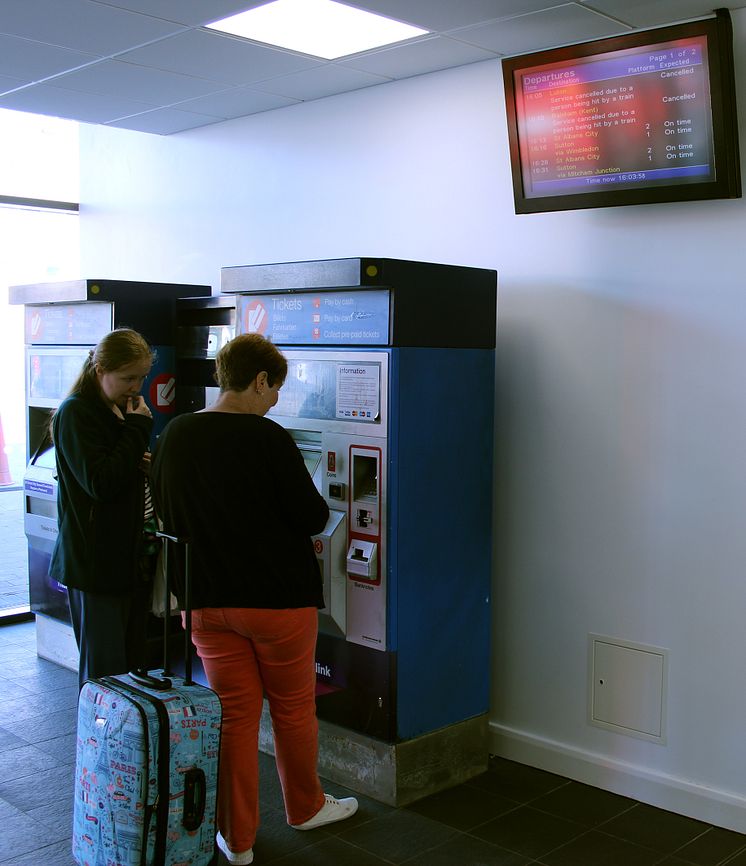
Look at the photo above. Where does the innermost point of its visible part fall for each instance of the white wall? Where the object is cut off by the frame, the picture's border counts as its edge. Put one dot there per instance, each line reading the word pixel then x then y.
pixel 621 440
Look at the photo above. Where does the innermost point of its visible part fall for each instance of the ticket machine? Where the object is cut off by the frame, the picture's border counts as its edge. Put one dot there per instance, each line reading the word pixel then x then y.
pixel 389 397
pixel 63 321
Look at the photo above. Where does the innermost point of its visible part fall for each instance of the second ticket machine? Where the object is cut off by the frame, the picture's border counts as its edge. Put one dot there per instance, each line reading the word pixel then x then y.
pixel 62 322
pixel 390 398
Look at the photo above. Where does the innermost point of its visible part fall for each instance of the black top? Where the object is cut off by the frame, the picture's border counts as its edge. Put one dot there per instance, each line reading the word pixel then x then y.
pixel 236 486
pixel 100 495
pixel 430 305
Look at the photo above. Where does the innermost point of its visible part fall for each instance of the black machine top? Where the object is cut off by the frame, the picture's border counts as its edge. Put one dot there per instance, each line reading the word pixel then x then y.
pixel 147 307
pixel 428 304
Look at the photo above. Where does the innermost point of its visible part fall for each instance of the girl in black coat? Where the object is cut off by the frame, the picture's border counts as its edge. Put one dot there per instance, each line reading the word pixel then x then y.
pixel 101 432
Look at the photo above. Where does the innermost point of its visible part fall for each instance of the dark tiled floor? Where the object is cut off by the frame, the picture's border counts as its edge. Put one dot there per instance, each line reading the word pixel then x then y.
pixel 511 816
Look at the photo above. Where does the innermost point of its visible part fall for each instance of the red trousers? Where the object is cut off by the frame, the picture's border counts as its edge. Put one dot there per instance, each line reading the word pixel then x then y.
pixel 248 653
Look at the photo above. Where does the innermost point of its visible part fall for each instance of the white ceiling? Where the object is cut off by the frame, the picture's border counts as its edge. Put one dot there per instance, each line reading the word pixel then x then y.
pixel 150 65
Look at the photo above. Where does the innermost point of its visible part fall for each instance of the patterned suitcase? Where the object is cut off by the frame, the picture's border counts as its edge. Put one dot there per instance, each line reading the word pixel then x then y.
pixel 146 768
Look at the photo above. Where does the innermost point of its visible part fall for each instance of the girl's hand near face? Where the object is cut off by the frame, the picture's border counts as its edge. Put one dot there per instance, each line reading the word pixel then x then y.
pixel 133 406
pixel 138 406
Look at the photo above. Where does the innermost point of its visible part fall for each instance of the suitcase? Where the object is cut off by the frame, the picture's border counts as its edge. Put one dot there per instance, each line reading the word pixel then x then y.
pixel 146 769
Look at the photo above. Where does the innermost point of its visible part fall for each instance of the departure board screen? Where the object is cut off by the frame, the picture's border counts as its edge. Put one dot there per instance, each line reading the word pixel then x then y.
pixel 655 117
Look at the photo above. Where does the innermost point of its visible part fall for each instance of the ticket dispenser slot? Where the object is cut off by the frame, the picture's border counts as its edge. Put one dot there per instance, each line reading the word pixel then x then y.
pixel 365 514
pixel 309 445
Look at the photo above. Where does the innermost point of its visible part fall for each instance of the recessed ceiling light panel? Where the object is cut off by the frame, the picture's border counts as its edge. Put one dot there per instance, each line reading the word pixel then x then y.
pixel 322 28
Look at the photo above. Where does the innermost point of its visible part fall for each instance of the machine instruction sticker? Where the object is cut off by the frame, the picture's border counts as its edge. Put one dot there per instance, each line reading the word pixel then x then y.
pixel 318 318
pixel 31 486
pixel 358 391
pixel 67 324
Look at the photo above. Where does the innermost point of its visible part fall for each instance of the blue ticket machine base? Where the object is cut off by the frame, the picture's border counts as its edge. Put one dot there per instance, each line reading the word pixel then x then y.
pixel 390 398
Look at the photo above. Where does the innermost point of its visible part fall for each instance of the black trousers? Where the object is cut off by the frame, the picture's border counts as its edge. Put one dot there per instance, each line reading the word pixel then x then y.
pixel 110 631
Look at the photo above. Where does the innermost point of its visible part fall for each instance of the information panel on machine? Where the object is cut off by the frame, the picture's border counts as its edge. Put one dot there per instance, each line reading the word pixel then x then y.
pixel 318 318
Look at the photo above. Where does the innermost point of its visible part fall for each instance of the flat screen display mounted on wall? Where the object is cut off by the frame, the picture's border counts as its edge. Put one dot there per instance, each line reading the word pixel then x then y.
pixel 645 117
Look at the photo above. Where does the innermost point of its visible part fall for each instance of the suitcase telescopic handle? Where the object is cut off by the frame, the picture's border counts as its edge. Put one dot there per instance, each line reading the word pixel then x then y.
pixel 175 539
pixel 143 678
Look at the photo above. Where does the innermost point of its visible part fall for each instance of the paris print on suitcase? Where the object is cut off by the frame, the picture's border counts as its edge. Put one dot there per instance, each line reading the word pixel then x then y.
pixel 146 770
pixel 146 774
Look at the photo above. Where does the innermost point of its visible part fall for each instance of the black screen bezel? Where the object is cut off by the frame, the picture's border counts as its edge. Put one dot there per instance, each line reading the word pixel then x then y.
pixel 727 184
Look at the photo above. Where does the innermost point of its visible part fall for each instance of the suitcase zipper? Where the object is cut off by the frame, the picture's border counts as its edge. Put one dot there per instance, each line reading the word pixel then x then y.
pixel 160 804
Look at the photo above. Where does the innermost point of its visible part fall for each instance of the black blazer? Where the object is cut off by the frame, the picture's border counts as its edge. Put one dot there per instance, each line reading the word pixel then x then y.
pixel 100 496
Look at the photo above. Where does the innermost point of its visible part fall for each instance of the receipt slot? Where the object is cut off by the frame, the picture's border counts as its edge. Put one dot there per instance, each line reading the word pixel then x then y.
pixel 389 396
pixel 362 561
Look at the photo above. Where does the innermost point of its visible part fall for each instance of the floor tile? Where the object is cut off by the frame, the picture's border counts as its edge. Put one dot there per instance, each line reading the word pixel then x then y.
pixel 467 850
pixel 21 835
pixel 47 678
pixel 599 849
pixel 18 633
pixel 9 740
pixel 59 854
pixel 673 860
pixel 43 703
pixel 42 789
pixel 711 848
pixel 48 726
pixel 516 781
pixel 583 803
pixel 7 809
pixel 12 690
pixel 512 815
pixel 24 762
pixel 61 748
pixel 398 836
pixel 57 817
pixel 463 807
pixel 331 850
pixel 655 828
pixel 529 832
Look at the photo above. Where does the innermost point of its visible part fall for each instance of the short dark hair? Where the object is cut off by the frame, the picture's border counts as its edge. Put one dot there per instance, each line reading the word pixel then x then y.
pixel 241 360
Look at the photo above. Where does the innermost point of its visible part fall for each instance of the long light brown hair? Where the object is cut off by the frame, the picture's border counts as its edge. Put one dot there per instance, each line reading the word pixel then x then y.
pixel 119 348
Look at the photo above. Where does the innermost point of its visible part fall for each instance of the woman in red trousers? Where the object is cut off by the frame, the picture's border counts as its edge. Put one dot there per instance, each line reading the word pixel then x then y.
pixel 235 483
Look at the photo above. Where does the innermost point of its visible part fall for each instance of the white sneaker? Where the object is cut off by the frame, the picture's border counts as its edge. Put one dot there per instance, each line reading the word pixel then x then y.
pixel 240 858
pixel 332 810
